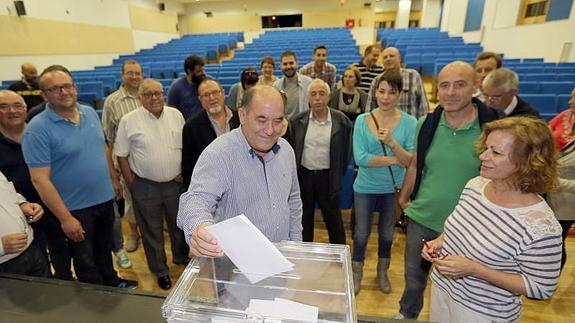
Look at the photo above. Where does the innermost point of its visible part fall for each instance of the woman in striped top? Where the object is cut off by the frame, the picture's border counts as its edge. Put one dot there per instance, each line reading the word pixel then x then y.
pixel 502 239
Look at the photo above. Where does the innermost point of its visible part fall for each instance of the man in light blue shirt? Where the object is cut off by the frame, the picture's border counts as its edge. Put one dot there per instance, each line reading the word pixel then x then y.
pixel 250 170
pixel 72 171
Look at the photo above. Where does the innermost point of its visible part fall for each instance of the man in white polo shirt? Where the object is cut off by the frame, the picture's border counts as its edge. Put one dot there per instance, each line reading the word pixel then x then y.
pixel 149 150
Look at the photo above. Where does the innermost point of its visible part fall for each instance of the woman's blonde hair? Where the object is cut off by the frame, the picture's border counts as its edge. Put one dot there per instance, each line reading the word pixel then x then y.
pixel 533 153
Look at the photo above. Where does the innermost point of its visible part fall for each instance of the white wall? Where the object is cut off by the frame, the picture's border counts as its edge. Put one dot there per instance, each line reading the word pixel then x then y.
pixel 500 32
pixel 10 65
pixel 430 12
pixel 363 35
pixel 105 13
pixel 147 39
pixel 95 12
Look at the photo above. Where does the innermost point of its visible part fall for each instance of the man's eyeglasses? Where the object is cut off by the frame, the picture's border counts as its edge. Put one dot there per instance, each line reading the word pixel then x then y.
pixel 151 94
pixel 133 74
pixel 209 94
pixel 493 98
pixel 16 106
pixel 58 88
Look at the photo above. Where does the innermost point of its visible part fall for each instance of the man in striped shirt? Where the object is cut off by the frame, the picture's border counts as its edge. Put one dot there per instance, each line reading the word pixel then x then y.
pixel 368 67
pixel 250 170
pixel 117 104
pixel 412 100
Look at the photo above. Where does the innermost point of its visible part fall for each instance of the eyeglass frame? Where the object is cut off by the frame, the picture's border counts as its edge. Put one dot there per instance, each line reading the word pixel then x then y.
pixel 15 106
pixel 57 89
pixel 151 94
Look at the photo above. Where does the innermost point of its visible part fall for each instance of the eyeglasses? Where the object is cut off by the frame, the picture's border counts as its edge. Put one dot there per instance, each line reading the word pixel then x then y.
pixel 58 88
pixel 493 98
pixel 151 94
pixel 209 94
pixel 16 106
pixel 132 74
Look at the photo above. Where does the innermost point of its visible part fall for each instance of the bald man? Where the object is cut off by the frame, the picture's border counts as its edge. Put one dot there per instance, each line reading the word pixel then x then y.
pixel 453 127
pixel 28 87
pixel 412 100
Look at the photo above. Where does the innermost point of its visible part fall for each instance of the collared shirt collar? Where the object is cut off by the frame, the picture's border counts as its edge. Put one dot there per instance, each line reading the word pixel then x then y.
pixel 151 115
pixel 511 106
pixel 275 148
pixel 54 117
pixel 470 125
pixel 327 121
pixel 125 94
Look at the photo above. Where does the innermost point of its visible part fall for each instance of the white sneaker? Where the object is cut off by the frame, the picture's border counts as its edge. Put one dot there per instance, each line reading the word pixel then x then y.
pixel 122 259
pixel 398 316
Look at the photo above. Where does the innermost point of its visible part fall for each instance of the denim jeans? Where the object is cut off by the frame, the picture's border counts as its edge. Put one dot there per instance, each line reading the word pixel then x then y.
pixel 416 269
pixel 93 255
pixel 60 255
pixel 365 205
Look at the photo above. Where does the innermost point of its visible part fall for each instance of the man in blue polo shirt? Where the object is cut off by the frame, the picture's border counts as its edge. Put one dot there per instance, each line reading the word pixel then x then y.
pixel 70 167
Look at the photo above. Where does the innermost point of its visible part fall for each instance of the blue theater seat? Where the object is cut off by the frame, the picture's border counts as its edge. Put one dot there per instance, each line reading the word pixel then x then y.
pixel 546 104
pixel 556 87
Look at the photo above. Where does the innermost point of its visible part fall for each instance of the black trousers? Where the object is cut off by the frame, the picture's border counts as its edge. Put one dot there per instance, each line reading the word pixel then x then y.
pixel 31 262
pixel 55 239
pixel 314 186
pixel 93 256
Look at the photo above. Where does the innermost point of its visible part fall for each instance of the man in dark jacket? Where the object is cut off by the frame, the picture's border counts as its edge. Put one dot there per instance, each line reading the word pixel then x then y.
pixel 201 129
pixel 500 88
pixel 321 139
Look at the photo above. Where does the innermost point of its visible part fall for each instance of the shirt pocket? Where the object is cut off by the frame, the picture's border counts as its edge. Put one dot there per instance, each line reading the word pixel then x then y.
pixel 176 139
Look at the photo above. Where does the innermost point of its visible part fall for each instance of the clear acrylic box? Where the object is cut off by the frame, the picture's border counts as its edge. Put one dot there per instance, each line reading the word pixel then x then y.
pixel 214 290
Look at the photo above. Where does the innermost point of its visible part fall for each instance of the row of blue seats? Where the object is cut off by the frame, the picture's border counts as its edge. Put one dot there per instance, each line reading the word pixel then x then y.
pixel 547 87
pixel 538 77
pixel 548 105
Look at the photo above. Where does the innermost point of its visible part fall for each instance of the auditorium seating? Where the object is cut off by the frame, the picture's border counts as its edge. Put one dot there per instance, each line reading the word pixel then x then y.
pixel 427 50
pixel 342 51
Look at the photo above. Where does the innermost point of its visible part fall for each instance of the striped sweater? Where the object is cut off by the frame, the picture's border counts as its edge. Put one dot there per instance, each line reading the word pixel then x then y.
pixel 525 241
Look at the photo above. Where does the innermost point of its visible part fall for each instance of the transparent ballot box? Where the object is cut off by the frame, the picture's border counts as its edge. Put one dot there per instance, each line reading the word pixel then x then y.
pixel 214 290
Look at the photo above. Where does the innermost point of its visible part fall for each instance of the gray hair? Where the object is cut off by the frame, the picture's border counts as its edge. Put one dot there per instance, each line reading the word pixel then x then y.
pixel 320 82
pixel 145 82
pixel 503 79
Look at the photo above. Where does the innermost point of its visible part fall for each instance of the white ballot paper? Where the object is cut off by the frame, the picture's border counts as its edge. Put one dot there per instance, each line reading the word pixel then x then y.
pixel 283 309
pixel 247 247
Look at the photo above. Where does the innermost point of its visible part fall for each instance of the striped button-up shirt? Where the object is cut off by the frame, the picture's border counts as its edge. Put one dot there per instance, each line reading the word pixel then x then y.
pixel 230 179
pixel 412 100
pixel 116 106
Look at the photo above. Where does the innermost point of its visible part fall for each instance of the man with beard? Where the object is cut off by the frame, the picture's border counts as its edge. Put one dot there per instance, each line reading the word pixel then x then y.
pixel 28 87
pixel 293 84
pixel 183 94
pixel 412 99
pixel 320 68
pixel 201 129
pixel 149 150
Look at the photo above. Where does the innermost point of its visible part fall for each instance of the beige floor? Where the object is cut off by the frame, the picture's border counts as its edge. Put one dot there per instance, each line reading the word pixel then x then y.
pixel 372 302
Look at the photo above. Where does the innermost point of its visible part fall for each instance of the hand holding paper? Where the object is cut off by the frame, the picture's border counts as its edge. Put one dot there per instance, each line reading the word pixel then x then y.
pixel 249 249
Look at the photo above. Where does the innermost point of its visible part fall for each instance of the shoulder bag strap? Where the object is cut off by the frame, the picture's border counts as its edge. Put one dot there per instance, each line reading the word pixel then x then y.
pixel 384 151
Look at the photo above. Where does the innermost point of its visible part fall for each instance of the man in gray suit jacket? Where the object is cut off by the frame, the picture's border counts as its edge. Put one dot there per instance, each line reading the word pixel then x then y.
pixel 321 138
